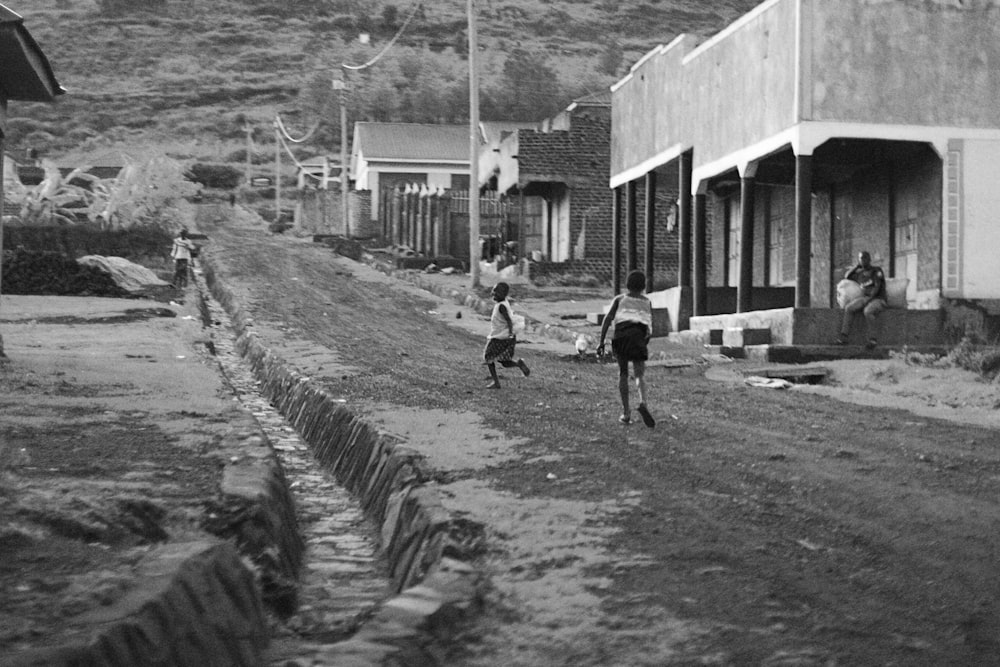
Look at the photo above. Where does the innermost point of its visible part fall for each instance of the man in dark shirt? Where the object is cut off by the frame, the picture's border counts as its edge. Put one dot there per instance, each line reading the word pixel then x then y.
pixel 872 299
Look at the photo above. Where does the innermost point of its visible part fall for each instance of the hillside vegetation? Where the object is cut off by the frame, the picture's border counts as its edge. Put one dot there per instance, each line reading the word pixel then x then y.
pixel 188 76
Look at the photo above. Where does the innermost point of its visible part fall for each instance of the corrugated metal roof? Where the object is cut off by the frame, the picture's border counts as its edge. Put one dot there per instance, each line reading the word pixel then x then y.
pixel 413 141
pixel 25 73
pixel 600 98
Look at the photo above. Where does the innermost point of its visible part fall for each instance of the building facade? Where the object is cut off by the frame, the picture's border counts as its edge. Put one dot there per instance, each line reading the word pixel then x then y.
pixel 558 170
pixel 386 155
pixel 807 131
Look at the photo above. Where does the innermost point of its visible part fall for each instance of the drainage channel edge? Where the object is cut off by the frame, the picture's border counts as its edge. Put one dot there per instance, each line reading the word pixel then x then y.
pixel 434 593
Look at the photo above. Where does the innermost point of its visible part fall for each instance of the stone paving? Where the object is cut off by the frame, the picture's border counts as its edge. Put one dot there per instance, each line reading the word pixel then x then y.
pixel 342 580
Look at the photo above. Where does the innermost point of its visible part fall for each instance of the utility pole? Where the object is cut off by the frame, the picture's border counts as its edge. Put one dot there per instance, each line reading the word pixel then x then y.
pixel 473 148
pixel 277 173
pixel 249 132
pixel 341 86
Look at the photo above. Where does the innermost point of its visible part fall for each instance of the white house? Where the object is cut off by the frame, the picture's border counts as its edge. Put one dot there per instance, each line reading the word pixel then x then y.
pixel 385 155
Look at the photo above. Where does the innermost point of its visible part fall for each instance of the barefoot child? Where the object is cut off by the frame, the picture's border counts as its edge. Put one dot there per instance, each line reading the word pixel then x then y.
pixel 632 315
pixel 501 340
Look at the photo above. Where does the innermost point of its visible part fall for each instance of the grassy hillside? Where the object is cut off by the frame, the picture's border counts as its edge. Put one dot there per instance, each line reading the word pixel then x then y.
pixel 184 74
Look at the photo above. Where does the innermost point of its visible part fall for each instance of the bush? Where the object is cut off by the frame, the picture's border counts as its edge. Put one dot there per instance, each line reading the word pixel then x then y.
pixel 221 176
pixel 567 280
pixel 119 7
pixel 52 273
pixel 968 354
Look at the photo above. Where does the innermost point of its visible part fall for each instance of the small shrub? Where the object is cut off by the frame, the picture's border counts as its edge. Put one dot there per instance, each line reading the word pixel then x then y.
pixel 568 280
pixel 221 176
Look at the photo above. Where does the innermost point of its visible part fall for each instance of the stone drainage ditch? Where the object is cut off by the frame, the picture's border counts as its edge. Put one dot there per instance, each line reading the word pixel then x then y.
pixel 343 580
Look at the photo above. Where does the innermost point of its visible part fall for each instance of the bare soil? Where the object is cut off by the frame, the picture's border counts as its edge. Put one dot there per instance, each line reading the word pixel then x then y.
pixel 751 526
pixel 96 468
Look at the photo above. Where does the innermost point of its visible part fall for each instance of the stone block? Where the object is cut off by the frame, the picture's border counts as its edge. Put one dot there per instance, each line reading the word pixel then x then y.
pixel 743 336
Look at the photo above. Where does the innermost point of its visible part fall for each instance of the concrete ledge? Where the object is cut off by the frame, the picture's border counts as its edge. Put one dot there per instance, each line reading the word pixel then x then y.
pixel 256 510
pixel 819 326
pixel 199 605
pixel 741 337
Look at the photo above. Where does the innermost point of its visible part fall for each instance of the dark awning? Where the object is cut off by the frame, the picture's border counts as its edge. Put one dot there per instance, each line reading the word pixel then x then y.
pixel 25 73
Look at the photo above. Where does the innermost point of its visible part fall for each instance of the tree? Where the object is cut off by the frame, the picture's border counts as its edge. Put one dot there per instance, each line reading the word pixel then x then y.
pixel 611 58
pixel 390 17
pixel 117 7
pixel 532 87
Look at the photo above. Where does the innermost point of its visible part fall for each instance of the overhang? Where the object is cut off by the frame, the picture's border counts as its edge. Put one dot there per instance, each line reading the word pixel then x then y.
pixel 25 73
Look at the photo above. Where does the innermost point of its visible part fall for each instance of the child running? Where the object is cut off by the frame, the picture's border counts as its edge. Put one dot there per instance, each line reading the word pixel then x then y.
pixel 632 315
pixel 501 340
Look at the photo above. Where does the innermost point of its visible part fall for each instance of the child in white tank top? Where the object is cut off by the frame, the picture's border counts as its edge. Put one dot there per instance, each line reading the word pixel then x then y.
pixel 501 341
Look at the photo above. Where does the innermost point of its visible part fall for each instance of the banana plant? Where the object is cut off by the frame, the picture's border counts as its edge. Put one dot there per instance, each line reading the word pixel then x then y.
pixel 143 192
pixel 55 200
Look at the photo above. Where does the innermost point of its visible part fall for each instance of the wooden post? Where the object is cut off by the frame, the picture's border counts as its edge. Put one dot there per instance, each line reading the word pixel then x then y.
pixel 277 173
pixel 630 226
pixel 803 230
pixel 744 288
pixel 474 252
pixel 650 227
pixel 684 220
pixel 699 289
pixel 616 240
pixel 3 130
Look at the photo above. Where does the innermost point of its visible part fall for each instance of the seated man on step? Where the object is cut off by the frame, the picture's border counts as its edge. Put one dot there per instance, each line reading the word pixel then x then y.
pixel 871 300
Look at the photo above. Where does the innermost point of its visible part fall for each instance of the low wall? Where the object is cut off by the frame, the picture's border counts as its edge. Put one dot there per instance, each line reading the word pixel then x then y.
pixel 199 603
pixel 820 326
pixel 425 548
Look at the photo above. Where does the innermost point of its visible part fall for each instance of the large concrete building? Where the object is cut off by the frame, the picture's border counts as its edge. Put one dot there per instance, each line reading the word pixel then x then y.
pixel 809 130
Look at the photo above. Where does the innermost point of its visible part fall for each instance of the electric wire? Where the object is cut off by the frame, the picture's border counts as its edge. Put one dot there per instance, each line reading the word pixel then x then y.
pixel 380 54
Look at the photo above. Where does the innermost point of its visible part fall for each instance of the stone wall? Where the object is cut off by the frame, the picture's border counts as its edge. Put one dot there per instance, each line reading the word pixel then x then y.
pixel 426 549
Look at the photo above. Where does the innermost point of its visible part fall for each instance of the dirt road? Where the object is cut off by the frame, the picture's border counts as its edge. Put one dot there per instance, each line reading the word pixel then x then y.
pixel 751 526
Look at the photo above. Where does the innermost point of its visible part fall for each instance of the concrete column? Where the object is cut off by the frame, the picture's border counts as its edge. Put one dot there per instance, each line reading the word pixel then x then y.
pixel 616 240
pixel 650 227
pixel 744 287
pixel 699 283
pixel 803 230
pixel 684 220
pixel 630 226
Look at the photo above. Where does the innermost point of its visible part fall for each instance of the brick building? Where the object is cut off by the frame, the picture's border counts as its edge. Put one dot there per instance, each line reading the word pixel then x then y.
pixel 559 173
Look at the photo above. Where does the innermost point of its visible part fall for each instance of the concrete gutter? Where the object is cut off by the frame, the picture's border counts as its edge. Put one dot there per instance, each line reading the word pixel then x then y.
pixel 436 586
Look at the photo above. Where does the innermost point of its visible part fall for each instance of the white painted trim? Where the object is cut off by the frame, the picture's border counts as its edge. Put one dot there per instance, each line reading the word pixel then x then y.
pixel 741 158
pixel 434 163
pixel 647 165
pixel 731 28
pixel 657 51
pixel 804 138
pixel 621 82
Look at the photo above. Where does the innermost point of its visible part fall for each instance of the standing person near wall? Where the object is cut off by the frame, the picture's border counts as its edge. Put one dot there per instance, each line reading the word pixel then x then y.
pixel 632 315
pixel 181 252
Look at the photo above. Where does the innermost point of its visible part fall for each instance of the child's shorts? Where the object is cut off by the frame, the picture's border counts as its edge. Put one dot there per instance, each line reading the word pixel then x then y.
pixel 499 349
pixel 630 344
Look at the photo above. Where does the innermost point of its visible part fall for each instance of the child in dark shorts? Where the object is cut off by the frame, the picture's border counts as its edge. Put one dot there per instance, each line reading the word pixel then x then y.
pixel 632 315
pixel 501 341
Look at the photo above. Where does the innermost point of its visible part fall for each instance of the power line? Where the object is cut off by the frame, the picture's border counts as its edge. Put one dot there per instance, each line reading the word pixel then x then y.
pixel 388 46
